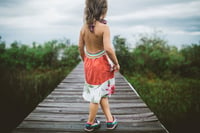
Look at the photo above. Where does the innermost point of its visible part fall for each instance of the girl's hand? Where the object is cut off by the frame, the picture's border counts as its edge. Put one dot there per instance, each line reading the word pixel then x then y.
pixel 116 68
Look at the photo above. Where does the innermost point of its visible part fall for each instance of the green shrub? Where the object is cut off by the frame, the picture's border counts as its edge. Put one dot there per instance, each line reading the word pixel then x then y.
pixel 29 74
pixel 171 100
pixel 166 78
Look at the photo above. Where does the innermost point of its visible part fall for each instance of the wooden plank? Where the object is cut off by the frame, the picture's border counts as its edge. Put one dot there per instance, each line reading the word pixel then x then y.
pixel 117 92
pixel 138 127
pixel 80 101
pixel 135 110
pixel 64 110
pixel 80 117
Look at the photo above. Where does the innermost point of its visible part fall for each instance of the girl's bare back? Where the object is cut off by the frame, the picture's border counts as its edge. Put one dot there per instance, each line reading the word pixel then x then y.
pixel 94 40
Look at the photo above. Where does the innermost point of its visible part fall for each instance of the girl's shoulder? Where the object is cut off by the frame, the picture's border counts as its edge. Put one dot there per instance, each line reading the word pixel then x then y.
pixel 83 28
pixel 100 28
pixel 103 27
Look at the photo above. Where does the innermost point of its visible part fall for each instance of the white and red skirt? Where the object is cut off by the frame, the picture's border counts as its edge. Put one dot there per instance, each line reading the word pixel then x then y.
pixel 99 77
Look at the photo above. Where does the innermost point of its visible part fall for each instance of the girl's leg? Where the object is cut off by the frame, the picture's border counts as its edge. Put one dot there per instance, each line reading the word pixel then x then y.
pixel 93 111
pixel 106 108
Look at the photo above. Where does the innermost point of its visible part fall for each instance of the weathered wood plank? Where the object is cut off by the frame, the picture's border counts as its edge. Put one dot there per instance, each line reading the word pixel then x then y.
pixel 80 101
pixel 65 111
pixel 117 92
pixel 82 105
pixel 138 127
pixel 77 110
pixel 80 117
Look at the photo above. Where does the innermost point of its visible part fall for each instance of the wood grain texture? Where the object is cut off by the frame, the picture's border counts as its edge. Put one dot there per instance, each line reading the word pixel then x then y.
pixel 65 111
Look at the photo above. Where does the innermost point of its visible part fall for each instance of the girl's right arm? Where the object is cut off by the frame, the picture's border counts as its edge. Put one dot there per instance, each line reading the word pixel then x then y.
pixel 81 45
pixel 108 48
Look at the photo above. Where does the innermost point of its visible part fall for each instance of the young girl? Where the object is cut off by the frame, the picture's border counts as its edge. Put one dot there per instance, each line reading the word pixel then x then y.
pixel 100 63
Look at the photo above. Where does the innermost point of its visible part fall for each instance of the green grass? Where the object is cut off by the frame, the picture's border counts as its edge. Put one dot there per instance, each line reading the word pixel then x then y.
pixel 22 91
pixel 174 100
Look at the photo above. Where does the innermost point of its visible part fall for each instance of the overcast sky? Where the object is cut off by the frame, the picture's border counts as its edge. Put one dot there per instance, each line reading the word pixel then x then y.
pixel 42 20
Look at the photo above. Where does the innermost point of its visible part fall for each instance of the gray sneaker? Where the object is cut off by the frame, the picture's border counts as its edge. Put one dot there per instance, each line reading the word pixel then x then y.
pixel 111 125
pixel 92 127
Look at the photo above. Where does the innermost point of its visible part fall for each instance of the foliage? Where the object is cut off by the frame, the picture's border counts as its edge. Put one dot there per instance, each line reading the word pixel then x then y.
pixel 70 55
pixel 123 54
pixel 173 102
pixel 166 78
pixel 192 61
pixel 22 57
pixel 28 74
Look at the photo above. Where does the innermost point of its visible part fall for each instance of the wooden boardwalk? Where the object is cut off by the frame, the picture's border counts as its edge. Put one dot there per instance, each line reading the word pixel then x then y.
pixel 64 110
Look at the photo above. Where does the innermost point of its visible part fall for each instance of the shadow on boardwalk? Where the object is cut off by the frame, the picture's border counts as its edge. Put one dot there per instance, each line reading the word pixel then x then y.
pixel 64 110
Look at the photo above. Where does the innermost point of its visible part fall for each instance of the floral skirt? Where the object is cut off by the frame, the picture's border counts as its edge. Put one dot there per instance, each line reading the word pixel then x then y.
pixel 99 77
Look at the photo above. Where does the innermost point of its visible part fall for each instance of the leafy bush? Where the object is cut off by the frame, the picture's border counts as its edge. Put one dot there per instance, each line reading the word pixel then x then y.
pixel 70 56
pixel 173 100
pixel 192 61
pixel 166 78
pixel 123 54
pixel 29 74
